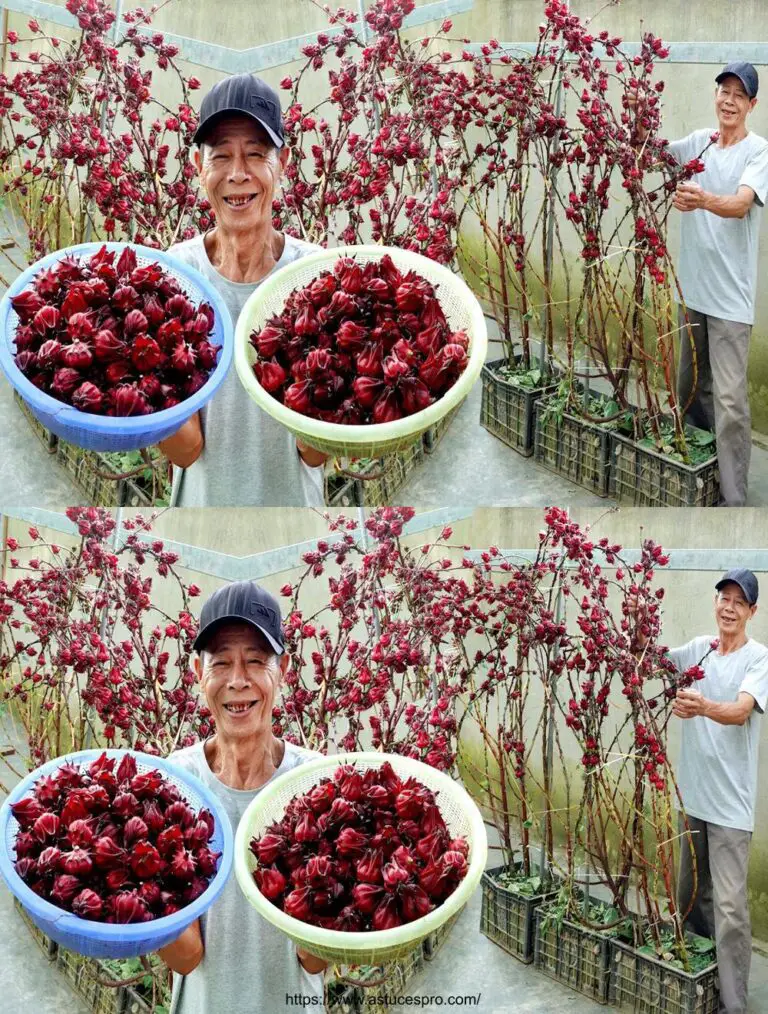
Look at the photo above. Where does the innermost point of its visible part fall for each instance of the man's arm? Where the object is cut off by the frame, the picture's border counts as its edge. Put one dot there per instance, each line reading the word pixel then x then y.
pixel 691 197
pixel 311 962
pixel 186 445
pixel 692 704
pixel 185 953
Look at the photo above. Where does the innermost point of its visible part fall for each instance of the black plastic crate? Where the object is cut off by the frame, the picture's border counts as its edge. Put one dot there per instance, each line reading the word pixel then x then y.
pixel 387 476
pixel 435 941
pixel 435 434
pixel 373 985
pixel 507 917
pixel 645 478
pixel 506 410
pixel 572 954
pixel 644 985
pixel 83 975
pixel 46 438
pixel 44 942
pixel 572 447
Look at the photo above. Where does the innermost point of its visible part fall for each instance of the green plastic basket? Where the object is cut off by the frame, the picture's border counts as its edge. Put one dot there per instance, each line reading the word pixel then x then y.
pixel 460 306
pixel 379 946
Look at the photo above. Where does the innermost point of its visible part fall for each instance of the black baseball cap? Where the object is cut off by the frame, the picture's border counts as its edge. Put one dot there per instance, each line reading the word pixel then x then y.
pixel 745 579
pixel 246 95
pixel 246 602
pixel 745 72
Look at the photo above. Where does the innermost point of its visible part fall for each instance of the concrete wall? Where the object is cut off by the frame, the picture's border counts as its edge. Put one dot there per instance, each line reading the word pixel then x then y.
pixel 687 605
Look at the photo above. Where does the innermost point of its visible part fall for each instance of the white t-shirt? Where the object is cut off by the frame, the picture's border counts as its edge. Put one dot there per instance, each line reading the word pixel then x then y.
pixel 718 256
pixel 249 459
pixel 248 965
pixel 717 774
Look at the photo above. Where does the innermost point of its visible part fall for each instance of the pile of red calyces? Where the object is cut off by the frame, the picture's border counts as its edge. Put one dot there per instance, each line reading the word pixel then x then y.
pixel 361 851
pixel 112 338
pixel 361 344
pixel 112 845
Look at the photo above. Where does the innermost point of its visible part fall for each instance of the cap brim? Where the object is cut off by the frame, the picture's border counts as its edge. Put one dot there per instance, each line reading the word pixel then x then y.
pixel 732 580
pixel 207 632
pixel 204 127
pixel 732 73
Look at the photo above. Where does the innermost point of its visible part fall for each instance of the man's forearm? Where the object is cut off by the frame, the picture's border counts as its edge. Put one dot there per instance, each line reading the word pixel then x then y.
pixel 186 445
pixel 185 953
pixel 726 713
pixel 726 205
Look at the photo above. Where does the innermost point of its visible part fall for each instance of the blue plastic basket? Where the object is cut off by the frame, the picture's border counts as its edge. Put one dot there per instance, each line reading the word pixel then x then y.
pixel 104 433
pixel 107 940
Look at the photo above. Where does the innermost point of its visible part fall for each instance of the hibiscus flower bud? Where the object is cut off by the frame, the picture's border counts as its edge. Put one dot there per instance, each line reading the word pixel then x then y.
pixel 182 865
pixel 298 904
pixel 107 346
pixel 106 852
pixel 297 397
pixel 49 860
pixel 77 862
pixel 370 361
pixel 351 843
pixel 388 407
pixel 65 381
pixel 414 902
pixel 46 319
pixel 49 354
pixel 27 810
pixel 146 354
pixel 46 827
pixel 26 868
pixel 145 860
pixel 65 887
pixel 370 867
pixel 77 356
pixel 128 400
pixel 27 304
pixel 306 322
pixel 183 358
pixel 386 915
pixel 87 904
pixel 151 388
pixel 129 906
pixel 207 861
pixel 270 375
pixel 351 336
pixel 80 833
pixel 119 371
pixel 270 882
pixel 169 840
pixel 349 275
pixel 367 897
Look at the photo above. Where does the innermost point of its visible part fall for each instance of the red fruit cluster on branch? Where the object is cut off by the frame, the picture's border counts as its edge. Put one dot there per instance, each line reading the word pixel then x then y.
pixel 361 851
pixel 364 343
pixel 113 338
pixel 112 844
pixel 118 657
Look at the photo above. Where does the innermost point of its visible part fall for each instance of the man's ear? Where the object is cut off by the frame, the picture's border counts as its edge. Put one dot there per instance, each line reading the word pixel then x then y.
pixel 198 667
pixel 197 158
pixel 753 610
pixel 752 104
pixel 284 663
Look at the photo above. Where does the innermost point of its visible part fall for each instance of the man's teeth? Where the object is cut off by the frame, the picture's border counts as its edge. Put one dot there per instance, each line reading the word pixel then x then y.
pixel 238 708
pixel 239 201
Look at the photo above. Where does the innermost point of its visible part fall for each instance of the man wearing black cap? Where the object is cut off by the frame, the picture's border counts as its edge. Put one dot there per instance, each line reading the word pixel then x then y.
pixel 717 777
pixel 231 961
pixel 718 272
pixel 232 453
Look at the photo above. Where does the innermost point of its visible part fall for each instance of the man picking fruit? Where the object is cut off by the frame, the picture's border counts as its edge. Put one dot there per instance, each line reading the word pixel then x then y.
pixel 717 778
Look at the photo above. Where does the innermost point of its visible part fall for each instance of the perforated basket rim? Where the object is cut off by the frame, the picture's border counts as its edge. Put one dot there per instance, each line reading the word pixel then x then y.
pixel 383 940
pixel 67 922
pixel 125 426
pixel 374 432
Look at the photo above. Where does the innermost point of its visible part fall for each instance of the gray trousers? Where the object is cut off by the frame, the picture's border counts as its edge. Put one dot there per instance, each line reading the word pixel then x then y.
pixel 720 399
pixel 720 908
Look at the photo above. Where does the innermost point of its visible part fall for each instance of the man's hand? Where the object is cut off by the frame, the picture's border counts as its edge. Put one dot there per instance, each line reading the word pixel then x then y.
pixel 310 456
pixel 311 962
pixel 690 196
pixel 689 704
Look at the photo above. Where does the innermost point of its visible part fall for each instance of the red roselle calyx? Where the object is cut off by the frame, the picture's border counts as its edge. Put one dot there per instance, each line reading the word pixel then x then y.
pixel 113 844
pixel 363 866
pixel 91 346
pixel 378 348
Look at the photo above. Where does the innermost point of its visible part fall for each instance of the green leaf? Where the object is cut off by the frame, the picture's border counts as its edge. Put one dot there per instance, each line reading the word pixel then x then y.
pixel 528 823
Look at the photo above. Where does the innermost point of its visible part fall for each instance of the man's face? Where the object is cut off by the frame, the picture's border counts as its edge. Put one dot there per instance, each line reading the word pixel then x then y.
pixel 239 169
pixel 732 611
pixel 732 103
pixel 239 675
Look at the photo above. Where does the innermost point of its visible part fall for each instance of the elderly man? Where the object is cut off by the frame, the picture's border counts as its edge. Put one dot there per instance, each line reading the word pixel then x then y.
pixel 231 961
pixel 717 777
pixel 232 453
pixel 718 272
